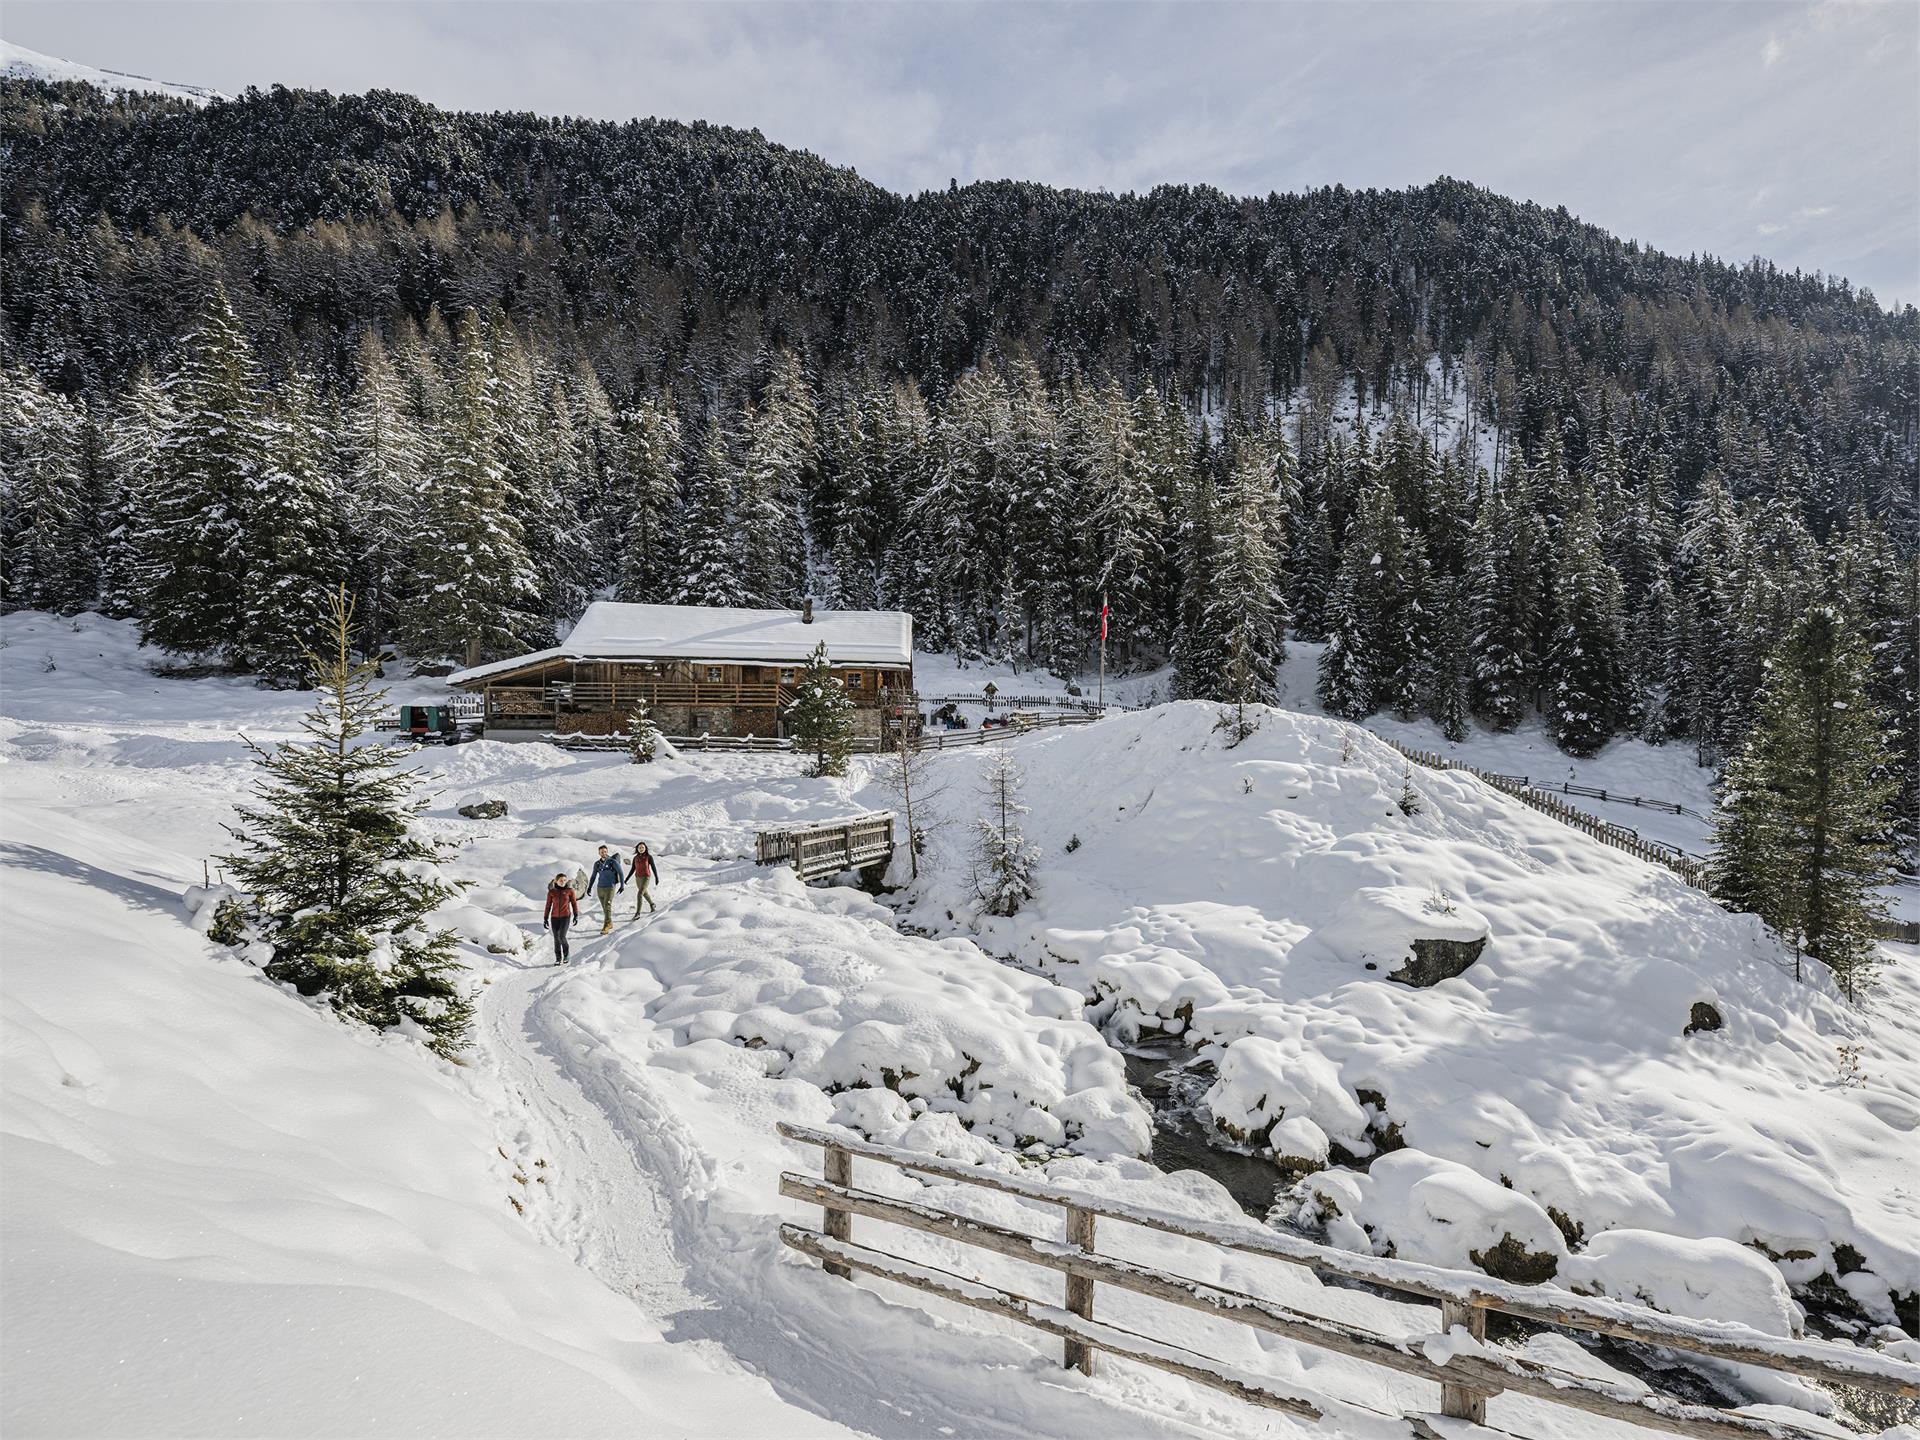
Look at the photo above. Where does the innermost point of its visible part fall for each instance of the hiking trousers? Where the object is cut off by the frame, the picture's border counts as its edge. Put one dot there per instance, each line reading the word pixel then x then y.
pixel 641 897
pixel 606 903
pixel 560 948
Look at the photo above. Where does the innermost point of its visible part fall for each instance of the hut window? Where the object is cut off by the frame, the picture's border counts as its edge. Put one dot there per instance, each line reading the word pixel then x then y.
pixel 786 677
pixel 713 673
pixel 855 679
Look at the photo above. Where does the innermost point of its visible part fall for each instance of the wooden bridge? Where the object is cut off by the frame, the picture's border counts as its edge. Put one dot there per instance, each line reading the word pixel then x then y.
pixel 817 851
pixel 1453 1355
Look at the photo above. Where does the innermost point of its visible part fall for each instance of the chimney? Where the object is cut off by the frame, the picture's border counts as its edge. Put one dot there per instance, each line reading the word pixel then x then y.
pixel 806 611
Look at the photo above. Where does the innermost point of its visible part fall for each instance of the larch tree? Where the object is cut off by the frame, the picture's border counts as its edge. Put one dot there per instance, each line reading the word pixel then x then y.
pixel 1801 832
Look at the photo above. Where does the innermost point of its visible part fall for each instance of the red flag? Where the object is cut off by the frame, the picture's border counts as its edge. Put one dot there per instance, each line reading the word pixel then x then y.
pixel 1103 617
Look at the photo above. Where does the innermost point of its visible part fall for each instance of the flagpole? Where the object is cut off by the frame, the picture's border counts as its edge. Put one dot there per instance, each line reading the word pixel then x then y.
pixel 1103 654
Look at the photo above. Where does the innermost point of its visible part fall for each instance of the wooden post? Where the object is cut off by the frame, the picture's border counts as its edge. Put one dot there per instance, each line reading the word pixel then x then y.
pixel 1456 1401
pixel 1079 1355
pixel 838 1170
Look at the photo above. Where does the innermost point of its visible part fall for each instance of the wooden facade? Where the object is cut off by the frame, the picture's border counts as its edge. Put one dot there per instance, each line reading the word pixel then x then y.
pixel 685 697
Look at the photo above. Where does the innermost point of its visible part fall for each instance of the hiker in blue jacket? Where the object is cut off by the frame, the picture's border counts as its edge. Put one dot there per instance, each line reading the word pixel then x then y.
pixel 608 876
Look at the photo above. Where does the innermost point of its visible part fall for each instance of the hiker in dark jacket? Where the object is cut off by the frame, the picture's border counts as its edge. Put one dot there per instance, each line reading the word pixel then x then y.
pixel 642 869
pixel 563 908
pixel 606 878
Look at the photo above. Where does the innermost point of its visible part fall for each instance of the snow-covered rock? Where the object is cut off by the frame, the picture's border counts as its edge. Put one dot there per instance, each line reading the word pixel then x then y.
pixel 1420 1207
pixel 1703 1279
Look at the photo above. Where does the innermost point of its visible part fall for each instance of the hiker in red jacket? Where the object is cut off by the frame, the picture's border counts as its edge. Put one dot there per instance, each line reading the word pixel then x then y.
pixel 563 908
pixel 643 869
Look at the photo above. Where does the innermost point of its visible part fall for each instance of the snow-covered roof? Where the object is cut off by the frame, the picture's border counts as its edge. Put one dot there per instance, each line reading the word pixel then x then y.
pixel 613 630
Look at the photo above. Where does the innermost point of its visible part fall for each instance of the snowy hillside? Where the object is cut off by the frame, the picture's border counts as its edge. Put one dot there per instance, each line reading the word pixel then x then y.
pixel 1251 900
pixel 223 1199
pixel 19 63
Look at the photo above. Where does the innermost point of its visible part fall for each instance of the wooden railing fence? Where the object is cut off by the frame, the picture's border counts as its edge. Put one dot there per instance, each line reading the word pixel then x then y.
pixel 1693 871
pixel 829 848
pixel 1469 1373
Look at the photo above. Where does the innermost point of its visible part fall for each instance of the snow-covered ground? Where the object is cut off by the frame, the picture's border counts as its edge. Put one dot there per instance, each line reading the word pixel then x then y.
pixel 220 1202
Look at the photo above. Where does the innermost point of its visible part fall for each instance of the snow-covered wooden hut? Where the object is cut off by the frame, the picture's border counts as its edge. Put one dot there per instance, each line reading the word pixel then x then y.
pixel 700 669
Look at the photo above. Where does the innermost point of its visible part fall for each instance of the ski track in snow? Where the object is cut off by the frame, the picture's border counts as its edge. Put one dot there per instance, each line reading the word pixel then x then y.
pixel 625 1196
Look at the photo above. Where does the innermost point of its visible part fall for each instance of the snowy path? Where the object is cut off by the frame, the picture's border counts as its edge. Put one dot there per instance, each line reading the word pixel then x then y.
pixel 631 1194
pixel 593 1199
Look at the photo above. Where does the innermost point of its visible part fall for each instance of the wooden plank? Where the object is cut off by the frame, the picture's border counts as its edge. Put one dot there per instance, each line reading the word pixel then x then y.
pixel 838 1224
pixel 1485 1373
pixel 1814 1359
pixel 1458 1401
pixel 1080 1222
pixel 1115 1341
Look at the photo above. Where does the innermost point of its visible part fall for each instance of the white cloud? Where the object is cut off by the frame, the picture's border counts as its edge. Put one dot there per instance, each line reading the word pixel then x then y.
pixel 1773 52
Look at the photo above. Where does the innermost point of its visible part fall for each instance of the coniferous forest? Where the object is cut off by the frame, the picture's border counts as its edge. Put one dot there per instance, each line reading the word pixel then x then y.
pixel 482 368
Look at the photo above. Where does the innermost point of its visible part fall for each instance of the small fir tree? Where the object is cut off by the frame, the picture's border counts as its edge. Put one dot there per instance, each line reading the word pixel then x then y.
pixel 1003 857
pixel 1800 837
pixel 643 736
pixel 821 717
pixel 340 887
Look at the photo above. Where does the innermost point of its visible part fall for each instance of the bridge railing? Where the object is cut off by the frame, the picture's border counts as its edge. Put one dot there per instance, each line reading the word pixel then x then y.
pixel 1467 1370
pixel 829 848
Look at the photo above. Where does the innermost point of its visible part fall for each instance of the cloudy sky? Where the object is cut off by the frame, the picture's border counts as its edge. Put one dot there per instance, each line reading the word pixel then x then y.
pixel 1738 128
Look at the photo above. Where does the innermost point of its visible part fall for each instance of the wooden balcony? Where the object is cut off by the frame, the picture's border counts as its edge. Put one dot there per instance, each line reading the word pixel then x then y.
pixel 592 697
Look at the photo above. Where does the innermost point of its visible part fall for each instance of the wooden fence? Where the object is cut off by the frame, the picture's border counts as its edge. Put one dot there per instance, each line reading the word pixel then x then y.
pixel 1468 1371
pixel 1695 872
pixel 816 851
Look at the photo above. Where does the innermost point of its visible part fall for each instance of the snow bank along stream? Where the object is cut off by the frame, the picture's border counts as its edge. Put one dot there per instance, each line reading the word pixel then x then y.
pixel 620 1114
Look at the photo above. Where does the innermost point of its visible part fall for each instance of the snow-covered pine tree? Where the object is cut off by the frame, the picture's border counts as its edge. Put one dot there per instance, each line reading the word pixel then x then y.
pixel 383 455
pixel 1004 860
pixel 1589 691
pixel 136 436
pixel 643 735
pixel 1247 608
pixel 710 556
pixel 1129 534
pixel 1045 463
pixel 472 590
pixel 1801 832
pixel 776 471
pixel 1196 648
pixel 1378 618
pixel 1449 681
pixel 45 522
pixel 339 885
pixel 821 716
pixel 210 467
pixel 1508 553
pixel 647 474
pixel 1708 561
pixel 290 547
